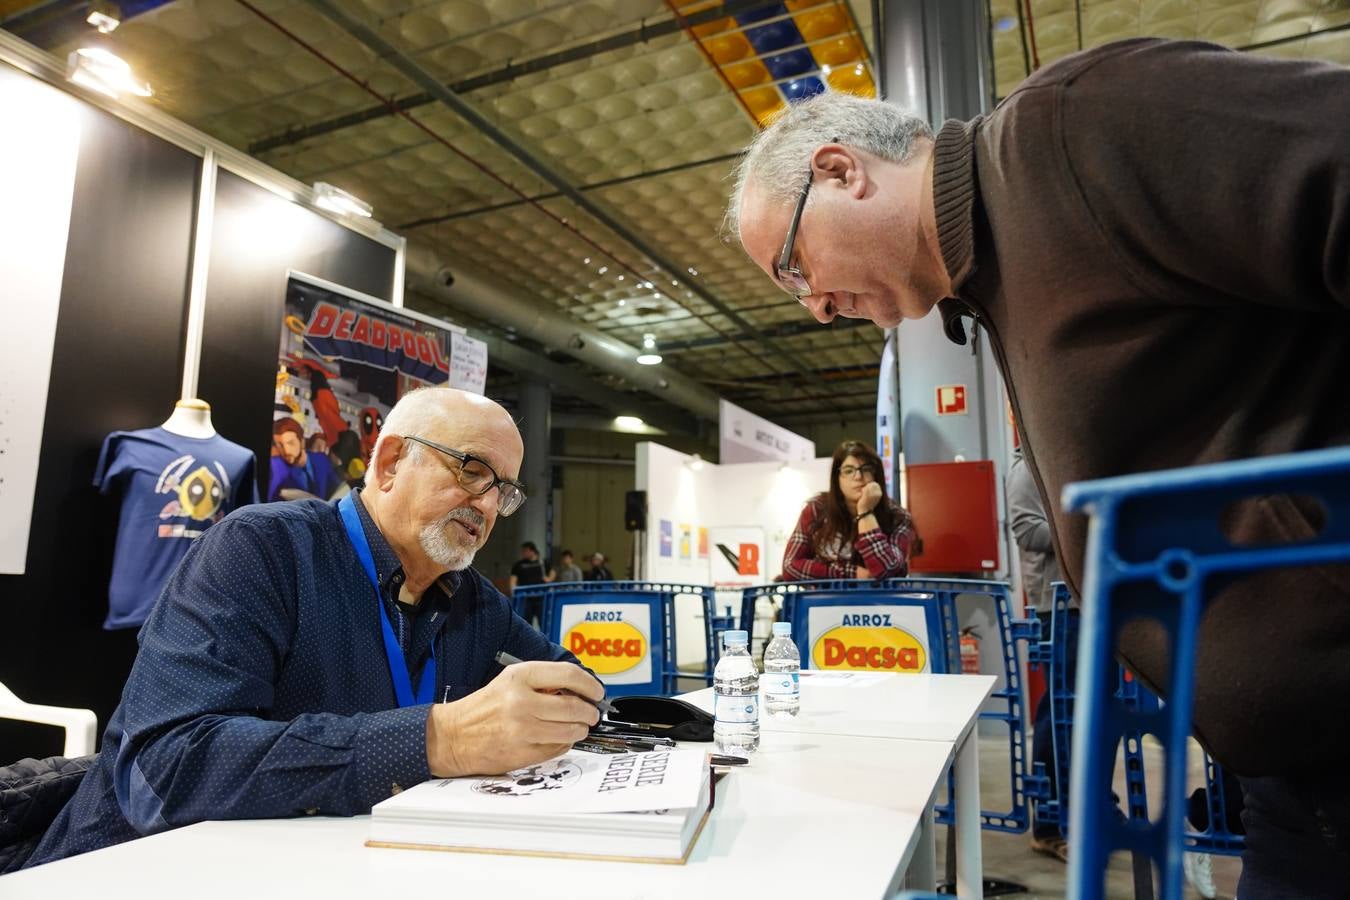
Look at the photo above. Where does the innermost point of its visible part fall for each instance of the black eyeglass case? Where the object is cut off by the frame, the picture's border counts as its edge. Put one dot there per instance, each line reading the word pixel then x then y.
pixel 665 716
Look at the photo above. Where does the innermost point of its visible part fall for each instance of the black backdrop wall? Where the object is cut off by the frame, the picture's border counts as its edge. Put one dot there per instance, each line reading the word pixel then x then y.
pixel 117 364
pixel 257 237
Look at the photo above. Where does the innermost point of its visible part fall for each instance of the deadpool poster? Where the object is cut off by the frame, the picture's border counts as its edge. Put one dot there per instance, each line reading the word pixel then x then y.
pixel 344 360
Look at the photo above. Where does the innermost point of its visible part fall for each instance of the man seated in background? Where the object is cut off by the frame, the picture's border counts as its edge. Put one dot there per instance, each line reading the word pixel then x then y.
pixel 294 661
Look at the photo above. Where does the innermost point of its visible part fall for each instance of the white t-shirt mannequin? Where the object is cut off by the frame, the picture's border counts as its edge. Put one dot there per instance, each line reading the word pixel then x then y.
pixel 191 418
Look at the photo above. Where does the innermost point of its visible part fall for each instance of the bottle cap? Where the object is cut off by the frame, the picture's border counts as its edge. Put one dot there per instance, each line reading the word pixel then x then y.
pixel 783 628
pixel 735 637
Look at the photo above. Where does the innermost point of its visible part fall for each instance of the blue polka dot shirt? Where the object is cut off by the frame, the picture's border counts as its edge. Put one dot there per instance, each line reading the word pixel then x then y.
pixel 262 688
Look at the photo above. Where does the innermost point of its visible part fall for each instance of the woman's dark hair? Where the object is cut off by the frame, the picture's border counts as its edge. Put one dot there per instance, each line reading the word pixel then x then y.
pixel 836 527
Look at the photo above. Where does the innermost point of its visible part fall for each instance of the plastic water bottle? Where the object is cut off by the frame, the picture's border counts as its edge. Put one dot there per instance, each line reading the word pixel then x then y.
pixel 736 693
pixel 782 684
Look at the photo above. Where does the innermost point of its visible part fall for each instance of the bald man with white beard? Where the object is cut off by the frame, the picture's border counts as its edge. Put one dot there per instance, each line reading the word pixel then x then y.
pixel 316 658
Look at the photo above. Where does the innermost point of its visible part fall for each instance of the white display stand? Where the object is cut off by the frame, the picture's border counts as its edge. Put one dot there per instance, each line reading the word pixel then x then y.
pixel 693 497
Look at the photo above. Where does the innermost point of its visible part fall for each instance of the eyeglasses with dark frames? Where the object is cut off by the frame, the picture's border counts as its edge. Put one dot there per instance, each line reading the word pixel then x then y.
pixel 791 276
pixel 867 472
pixel 478 477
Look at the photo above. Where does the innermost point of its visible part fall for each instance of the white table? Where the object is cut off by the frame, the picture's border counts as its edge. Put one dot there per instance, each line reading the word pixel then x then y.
pixel 813 816
pixel 941 708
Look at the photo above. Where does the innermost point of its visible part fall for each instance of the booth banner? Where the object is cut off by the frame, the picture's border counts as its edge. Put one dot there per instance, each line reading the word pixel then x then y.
pixel 868 638
pixel 737 557
pixel 746 437
pixel 344 360
pixel 613 640
pixel 888 412
pixel 38 158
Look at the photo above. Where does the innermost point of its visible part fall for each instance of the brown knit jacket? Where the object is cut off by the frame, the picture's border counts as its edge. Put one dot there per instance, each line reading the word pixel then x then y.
pixel 1156 238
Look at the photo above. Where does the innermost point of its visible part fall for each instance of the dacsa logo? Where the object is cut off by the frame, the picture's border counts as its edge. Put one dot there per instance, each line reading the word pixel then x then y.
pixel 605 643
pixel 868 642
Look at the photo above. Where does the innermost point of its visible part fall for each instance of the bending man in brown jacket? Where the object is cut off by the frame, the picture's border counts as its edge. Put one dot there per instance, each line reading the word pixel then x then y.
pixel 1156 238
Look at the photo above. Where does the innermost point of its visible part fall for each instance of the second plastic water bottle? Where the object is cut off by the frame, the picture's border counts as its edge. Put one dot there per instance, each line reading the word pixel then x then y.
pixel 782 683
pixel 736 697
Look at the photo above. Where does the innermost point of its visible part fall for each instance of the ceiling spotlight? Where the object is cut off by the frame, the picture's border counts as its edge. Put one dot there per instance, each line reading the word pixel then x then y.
pixel 335 199
pixel 621 278
pixel 604 269
pixel 104 15
pixel 649 356
pixel 586 261
pixel 693 271
pixel 629 423
pixel 103 71
pixel 623 302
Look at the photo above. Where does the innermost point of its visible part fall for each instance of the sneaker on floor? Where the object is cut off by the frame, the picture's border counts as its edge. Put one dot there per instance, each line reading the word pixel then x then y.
pixel 1055 847
pixel 1199 869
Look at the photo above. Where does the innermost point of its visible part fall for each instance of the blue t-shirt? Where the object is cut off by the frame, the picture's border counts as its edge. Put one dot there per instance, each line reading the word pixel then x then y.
pixel 172 489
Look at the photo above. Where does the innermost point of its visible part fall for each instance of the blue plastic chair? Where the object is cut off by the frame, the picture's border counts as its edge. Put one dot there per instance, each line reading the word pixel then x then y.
pixel 1162 530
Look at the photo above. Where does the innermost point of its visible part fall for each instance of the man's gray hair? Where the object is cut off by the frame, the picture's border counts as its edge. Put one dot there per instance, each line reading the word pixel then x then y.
pixel 416 412
pixel 779 157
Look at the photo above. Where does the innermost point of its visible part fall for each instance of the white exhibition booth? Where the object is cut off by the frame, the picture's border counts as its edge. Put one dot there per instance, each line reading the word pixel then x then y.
pixel 724 525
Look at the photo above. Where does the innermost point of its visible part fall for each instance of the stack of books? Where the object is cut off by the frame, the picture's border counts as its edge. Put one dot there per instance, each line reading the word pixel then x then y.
pixel 644 807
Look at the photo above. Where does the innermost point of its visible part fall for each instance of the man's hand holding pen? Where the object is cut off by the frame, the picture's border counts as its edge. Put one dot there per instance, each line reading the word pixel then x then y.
pixel 529 713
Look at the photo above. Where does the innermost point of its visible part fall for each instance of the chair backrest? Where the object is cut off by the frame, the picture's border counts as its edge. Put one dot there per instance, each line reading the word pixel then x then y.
pixel 80 724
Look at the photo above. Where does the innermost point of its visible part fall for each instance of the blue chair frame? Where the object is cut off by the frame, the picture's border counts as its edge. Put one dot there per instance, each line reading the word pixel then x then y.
pixel 659 596
pixel 1161 531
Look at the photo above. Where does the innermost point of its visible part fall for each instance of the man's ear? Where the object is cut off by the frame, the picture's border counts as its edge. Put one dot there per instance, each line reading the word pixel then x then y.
pixel 388 457
pixel 838 166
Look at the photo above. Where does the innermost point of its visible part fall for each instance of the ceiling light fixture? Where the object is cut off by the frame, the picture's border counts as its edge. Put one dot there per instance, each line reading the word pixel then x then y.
pixel 695 462
pixel 649 356
pixel 629 423
pixel 103 71
pixel 335 199
pixel 604 269
pixel 104 16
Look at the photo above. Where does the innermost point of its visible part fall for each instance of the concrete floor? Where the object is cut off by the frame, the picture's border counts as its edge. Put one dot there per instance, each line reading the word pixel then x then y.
pixel 1009 856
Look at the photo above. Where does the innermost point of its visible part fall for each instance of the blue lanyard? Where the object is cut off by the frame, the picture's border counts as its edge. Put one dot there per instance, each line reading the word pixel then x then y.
pixel 398 666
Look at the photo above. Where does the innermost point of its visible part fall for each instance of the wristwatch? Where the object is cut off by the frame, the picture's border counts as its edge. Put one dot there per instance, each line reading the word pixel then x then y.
pixel 861 516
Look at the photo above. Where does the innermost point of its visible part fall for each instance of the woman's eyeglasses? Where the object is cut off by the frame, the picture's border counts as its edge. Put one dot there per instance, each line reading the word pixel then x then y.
pixel 867 472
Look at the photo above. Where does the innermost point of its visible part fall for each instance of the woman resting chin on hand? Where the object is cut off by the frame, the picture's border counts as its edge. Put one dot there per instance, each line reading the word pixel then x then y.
pixel 853 530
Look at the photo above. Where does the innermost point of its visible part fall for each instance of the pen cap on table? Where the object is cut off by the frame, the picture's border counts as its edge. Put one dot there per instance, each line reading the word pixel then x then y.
pixel 686 722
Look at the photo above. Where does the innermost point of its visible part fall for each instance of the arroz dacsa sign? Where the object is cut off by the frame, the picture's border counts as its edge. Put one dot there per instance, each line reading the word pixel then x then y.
pixel 613 640
pixel 869 638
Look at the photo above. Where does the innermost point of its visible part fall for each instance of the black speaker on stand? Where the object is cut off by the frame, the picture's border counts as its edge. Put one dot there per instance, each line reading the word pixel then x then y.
pixel 635 520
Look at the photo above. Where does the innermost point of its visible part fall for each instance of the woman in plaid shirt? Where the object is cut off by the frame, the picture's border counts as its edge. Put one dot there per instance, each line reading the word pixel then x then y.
pixel 853 530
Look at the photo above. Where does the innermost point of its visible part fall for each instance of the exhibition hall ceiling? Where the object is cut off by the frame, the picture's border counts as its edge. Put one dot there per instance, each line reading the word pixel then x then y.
pixel 641 105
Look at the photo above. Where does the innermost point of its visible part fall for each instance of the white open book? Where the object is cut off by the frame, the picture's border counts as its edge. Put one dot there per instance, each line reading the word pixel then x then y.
pixel 635 806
